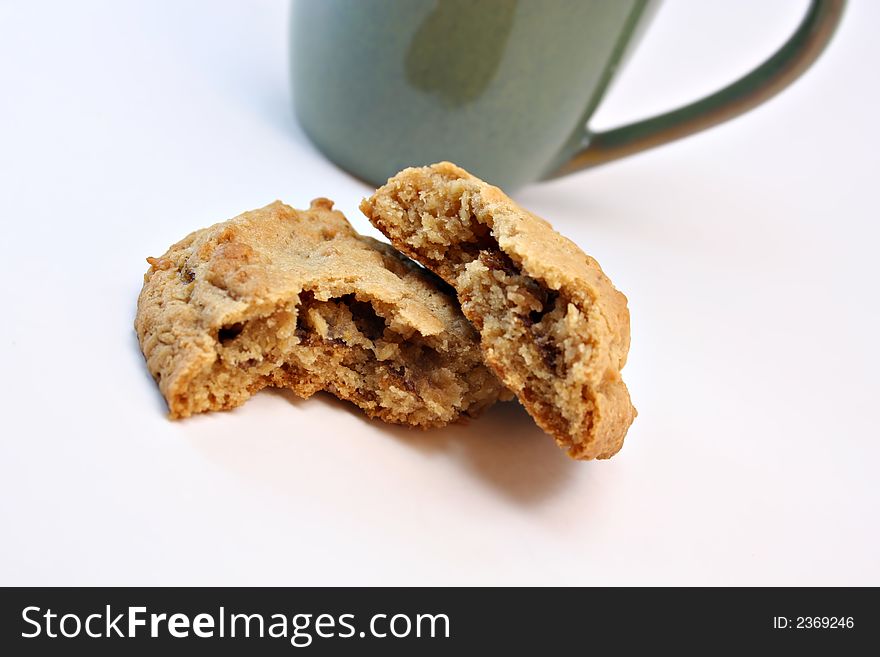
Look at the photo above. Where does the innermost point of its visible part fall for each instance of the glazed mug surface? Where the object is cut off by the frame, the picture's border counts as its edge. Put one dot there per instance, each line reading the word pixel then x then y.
pixel 504 88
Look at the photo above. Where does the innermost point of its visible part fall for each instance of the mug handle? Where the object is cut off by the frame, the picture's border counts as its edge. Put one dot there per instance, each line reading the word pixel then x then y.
pixel 771 77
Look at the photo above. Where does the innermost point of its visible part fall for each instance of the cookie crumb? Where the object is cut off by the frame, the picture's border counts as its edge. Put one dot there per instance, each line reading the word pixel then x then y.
pixel 159 263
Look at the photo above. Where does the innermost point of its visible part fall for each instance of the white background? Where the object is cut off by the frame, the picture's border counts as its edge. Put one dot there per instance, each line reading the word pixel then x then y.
pixel 748 255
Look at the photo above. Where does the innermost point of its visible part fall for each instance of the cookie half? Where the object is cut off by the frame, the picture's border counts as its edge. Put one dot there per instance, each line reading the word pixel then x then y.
pixel 297 299
pixel 553 327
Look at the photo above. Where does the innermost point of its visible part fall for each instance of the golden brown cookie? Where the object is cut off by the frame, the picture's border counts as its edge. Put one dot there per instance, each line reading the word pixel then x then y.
pixel 297 299
pixel 553 327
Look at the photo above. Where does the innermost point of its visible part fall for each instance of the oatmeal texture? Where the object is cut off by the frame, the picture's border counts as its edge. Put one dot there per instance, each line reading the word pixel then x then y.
pixel 297 299
pixel 553 327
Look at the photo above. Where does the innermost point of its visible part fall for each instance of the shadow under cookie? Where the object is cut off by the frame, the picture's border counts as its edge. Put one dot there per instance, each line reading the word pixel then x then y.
pixel 502 448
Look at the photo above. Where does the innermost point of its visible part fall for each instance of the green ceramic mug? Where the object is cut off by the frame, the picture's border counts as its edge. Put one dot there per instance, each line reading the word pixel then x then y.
pixel 504 88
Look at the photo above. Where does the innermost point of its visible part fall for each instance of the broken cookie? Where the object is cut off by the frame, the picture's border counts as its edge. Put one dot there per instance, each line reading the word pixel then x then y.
pixel 297 299
pixel 553 327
